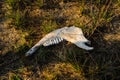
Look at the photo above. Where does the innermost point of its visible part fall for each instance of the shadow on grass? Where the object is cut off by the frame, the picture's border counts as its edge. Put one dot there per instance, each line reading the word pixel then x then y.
pixel 13 61
pixel 101 63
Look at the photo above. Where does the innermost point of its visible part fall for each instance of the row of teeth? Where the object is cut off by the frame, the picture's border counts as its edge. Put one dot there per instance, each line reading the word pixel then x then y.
pixel 53 41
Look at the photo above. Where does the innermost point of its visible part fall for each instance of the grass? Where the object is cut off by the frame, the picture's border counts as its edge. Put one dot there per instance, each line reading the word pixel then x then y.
pixel 14 77
pixel 40 3
pixel 48 26
pixel 52 62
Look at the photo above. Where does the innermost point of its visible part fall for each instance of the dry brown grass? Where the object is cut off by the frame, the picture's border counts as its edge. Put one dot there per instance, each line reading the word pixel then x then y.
pixel 31 21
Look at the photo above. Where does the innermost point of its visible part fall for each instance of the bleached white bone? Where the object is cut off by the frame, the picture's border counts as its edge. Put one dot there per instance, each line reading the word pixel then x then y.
pixel 72 34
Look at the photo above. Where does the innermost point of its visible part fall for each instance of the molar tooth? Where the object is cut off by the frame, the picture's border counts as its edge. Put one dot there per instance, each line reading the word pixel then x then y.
pixel 46 43
pixel 57 40
pixel 50 42
pixel 62 39
pixel 54 41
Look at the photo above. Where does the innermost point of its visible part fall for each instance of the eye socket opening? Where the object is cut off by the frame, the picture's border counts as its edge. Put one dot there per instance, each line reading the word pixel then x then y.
pixel 88 43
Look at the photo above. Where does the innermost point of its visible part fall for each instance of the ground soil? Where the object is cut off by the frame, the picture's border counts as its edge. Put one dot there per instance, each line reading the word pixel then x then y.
pixel 106 53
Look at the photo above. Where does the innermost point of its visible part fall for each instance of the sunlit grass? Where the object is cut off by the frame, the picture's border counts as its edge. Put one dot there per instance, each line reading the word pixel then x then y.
pixel 48 26
pixel 97 14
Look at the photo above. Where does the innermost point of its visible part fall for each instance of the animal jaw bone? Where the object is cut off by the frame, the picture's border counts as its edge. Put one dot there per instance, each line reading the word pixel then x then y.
pixel 72 34
pixel 55 40
pixel 51 36
pixel 75 35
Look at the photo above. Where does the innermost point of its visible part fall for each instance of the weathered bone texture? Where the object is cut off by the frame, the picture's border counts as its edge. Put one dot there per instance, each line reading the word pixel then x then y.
pixel 72 34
